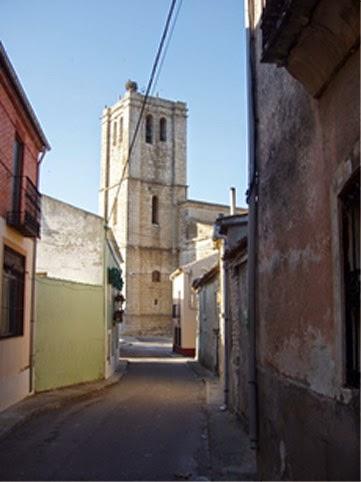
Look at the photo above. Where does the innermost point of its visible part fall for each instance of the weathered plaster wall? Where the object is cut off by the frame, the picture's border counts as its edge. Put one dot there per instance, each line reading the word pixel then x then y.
pixel 71 244
pixel 69 345
pixel 238 335
pixel 302 142
pixel 208 324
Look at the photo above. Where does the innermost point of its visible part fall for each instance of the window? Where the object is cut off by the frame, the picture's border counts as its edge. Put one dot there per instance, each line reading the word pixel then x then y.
pixel 115 213
pixel 163 129
pixel 350 214
pixel 18 171
pixel 155 210
pixel 175 310
pixel 149 129
pixel 156 276
pixel 155 302
pixel 121 129
pixel 12 305
pixel 114 133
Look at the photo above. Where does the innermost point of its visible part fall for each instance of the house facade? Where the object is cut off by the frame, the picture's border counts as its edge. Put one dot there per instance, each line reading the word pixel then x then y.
pixel 78 288
pixel 184 312
pixel 304 237
pixel 22 147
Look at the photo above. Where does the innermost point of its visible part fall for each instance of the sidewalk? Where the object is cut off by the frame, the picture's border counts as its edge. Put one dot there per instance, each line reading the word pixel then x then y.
pixel 230 453
pixel 33 405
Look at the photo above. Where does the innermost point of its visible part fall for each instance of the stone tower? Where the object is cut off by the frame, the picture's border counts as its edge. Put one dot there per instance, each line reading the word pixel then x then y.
pixel 145 216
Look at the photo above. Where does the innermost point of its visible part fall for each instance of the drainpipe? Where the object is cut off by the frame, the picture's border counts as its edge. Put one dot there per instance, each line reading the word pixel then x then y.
pixel 33 302
pixel 252 199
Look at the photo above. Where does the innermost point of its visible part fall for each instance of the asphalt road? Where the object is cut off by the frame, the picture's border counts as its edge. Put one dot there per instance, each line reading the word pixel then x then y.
pixel 149 426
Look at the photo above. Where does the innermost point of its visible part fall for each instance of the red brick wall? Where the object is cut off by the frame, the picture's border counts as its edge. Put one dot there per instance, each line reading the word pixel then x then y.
pixel 14 122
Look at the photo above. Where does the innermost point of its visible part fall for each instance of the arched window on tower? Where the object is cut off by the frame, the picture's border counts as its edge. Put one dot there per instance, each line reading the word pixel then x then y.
pixel 149 129
pixel 121 129
pixel 156 276
pixel 114 133
pixel 155 210
pixel 163 129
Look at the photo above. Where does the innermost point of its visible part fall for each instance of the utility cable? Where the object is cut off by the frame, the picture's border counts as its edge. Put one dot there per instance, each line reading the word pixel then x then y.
pixel 149 86
pixel 167 46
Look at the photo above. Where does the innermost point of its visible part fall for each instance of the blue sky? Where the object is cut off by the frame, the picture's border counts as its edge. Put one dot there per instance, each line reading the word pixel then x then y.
pixel 74 56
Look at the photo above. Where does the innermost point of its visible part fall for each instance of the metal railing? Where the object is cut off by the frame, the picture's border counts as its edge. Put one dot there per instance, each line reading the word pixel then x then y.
pixel 20 202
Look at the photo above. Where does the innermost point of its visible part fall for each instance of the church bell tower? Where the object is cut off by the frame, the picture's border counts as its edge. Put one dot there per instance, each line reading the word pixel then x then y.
pixel 144 212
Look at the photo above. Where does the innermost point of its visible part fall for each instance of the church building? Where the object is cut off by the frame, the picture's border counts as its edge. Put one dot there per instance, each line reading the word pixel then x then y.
pixel 155 224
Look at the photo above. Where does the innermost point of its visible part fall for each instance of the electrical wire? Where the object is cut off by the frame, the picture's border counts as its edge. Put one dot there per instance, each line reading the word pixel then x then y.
pixel 149 86
pixel 167 46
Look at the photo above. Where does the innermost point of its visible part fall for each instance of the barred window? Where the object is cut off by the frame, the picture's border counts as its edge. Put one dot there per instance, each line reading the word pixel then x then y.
pixel 12 300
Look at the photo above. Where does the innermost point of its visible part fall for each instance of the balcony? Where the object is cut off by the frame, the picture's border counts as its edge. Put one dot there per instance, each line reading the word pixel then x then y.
pixel 312 39
pixel 26 216
pixel 20 202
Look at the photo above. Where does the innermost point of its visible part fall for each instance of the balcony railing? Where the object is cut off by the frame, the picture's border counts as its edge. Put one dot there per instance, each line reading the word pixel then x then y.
pixel 20 202
pixel 26 218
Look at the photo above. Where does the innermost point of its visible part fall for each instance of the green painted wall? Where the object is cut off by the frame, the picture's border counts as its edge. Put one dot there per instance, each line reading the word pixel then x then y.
pixel 69 333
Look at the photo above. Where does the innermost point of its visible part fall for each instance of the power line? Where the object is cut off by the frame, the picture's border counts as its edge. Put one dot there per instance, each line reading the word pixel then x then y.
pixel 149 86
pixel 167 46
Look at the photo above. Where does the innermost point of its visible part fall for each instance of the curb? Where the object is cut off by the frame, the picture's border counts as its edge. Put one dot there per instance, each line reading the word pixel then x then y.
pixel 18 414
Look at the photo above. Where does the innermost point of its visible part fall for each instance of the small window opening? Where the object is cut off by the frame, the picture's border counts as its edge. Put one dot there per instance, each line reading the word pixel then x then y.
pixel 350 212
pixel 114 133
pixel 163 129
pixel 155 301
pixel 155 210
pixel 115 213
pixel 156 276
pixel 149 129
pixel 121 129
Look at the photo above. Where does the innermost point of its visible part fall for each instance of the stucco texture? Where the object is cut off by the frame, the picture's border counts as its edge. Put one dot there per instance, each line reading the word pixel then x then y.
pixel 69 341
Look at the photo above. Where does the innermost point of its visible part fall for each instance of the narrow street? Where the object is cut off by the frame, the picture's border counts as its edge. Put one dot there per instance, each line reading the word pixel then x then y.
pixel 149 426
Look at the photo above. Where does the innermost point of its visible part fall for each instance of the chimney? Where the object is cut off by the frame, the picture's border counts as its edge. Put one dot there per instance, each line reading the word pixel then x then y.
pixel 232 198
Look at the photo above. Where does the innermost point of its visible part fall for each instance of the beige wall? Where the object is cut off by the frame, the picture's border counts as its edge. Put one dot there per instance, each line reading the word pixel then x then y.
pixel 182 281
pixel 15 351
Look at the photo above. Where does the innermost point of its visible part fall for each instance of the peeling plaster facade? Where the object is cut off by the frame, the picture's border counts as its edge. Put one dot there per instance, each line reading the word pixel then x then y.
pixel 307 149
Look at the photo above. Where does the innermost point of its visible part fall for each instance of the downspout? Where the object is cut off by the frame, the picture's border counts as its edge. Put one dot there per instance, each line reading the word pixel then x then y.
pixel 105 227
pixel 33 300
pixel 224 281
pixel 252 199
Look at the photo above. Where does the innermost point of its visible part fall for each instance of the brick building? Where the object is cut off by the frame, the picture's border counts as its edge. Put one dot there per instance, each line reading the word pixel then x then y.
pixel 304 244
pixel 22 146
